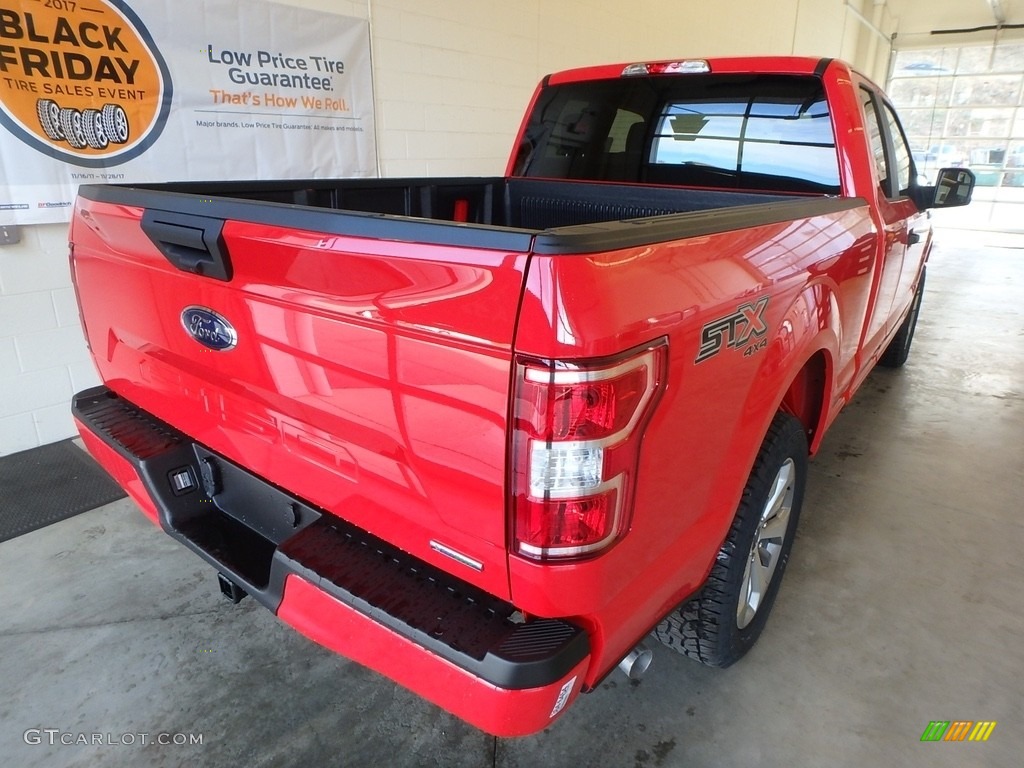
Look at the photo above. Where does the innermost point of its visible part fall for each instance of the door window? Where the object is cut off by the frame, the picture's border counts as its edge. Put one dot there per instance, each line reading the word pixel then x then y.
pixel 875 138
pixel 904 167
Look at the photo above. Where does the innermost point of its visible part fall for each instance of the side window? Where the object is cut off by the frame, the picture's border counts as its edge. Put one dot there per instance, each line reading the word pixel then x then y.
pixel 876 138
pixel 903 164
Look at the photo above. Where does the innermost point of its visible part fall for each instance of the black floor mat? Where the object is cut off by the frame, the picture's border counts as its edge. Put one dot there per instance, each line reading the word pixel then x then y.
pixel 48 484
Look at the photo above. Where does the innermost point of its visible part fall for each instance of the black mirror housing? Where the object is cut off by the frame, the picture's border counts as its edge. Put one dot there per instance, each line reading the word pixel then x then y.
pixel 953 188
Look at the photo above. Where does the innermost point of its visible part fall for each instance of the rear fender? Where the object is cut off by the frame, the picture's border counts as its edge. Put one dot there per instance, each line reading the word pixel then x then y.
pixel 784 380
pixel 808 327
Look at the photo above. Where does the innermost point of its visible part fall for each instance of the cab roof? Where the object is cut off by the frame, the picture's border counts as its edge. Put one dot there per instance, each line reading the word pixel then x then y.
pixel 782 65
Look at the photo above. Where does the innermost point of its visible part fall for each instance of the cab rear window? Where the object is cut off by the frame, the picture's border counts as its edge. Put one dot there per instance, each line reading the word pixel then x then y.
pixel 757 132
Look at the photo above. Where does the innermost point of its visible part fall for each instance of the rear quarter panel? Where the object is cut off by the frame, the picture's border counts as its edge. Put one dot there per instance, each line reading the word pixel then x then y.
pixel 700 444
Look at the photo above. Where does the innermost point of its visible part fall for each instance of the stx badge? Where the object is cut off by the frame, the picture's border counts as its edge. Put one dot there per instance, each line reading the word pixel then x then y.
pixel 736 330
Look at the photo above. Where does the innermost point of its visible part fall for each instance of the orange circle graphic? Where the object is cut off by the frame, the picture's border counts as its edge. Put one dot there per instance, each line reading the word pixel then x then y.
pixel 81 81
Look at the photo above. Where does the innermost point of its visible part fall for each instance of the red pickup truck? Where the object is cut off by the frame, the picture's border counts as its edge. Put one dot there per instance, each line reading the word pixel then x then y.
pixel 483 435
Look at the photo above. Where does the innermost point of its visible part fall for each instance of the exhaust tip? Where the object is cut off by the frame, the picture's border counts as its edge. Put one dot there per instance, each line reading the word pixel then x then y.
pixel 229 589
pixel 636 662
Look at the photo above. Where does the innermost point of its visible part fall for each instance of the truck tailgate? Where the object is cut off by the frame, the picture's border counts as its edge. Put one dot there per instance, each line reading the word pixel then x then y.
pixel 364 376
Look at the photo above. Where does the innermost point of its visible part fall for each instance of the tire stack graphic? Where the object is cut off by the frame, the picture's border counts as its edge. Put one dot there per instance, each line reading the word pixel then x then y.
pixel 93 128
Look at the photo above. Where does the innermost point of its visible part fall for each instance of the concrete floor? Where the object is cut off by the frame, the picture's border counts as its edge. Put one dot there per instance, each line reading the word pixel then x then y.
pixel 902 605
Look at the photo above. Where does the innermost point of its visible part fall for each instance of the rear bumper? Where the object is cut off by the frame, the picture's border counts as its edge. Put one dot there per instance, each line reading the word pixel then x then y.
pixel 448 641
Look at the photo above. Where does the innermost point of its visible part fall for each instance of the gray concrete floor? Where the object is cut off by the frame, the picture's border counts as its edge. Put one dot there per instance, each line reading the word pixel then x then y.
pixel 902 605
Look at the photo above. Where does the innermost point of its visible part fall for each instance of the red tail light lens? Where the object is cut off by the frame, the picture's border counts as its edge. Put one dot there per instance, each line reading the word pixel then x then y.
pixel 576 443
pixel 559 524
pixel 582 410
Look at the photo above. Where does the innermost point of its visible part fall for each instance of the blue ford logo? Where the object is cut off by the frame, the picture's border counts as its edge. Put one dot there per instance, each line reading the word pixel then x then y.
pixel 208 328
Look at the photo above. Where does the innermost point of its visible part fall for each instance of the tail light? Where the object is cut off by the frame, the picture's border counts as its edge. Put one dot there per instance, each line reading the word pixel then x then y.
pixel 576 442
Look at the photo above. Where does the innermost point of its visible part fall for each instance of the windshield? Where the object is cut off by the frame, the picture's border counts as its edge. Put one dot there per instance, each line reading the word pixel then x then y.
pixel 757 132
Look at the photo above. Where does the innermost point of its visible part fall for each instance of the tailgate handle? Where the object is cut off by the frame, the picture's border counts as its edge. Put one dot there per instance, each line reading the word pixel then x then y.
pixel 191 243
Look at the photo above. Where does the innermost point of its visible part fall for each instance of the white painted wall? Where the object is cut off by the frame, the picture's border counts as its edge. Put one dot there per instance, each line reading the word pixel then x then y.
pixel 452 78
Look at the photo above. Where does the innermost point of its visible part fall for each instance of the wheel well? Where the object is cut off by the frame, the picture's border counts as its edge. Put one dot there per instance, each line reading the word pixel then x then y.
pixel 805 396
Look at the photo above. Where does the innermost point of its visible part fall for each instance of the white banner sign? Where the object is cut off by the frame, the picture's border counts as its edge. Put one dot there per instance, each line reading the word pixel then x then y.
pixel 95 91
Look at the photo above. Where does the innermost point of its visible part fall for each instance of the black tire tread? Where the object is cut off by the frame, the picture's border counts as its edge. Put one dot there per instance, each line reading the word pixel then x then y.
pixel 695 629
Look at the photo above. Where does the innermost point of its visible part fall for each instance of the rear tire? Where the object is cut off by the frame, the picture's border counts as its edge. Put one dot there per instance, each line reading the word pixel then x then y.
pixel 723 621
pixel 898 351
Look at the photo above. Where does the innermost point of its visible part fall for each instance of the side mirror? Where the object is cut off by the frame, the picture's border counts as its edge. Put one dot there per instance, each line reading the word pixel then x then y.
pixel 953 188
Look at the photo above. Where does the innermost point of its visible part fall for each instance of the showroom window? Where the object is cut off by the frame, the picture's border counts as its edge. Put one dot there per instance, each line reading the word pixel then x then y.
pixel 965 107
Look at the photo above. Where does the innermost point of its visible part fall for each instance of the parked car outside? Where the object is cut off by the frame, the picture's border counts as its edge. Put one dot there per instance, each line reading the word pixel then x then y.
pixel 939 156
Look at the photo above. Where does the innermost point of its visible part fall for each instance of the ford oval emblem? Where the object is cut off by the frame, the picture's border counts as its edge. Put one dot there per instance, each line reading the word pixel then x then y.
pixel 208 328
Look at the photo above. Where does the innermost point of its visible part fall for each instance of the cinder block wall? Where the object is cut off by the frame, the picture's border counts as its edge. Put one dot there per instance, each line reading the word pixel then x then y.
pixel 43 358
pixel 452 79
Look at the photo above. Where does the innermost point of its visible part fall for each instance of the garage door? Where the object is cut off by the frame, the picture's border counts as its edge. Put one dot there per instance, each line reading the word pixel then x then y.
pixel 963 107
